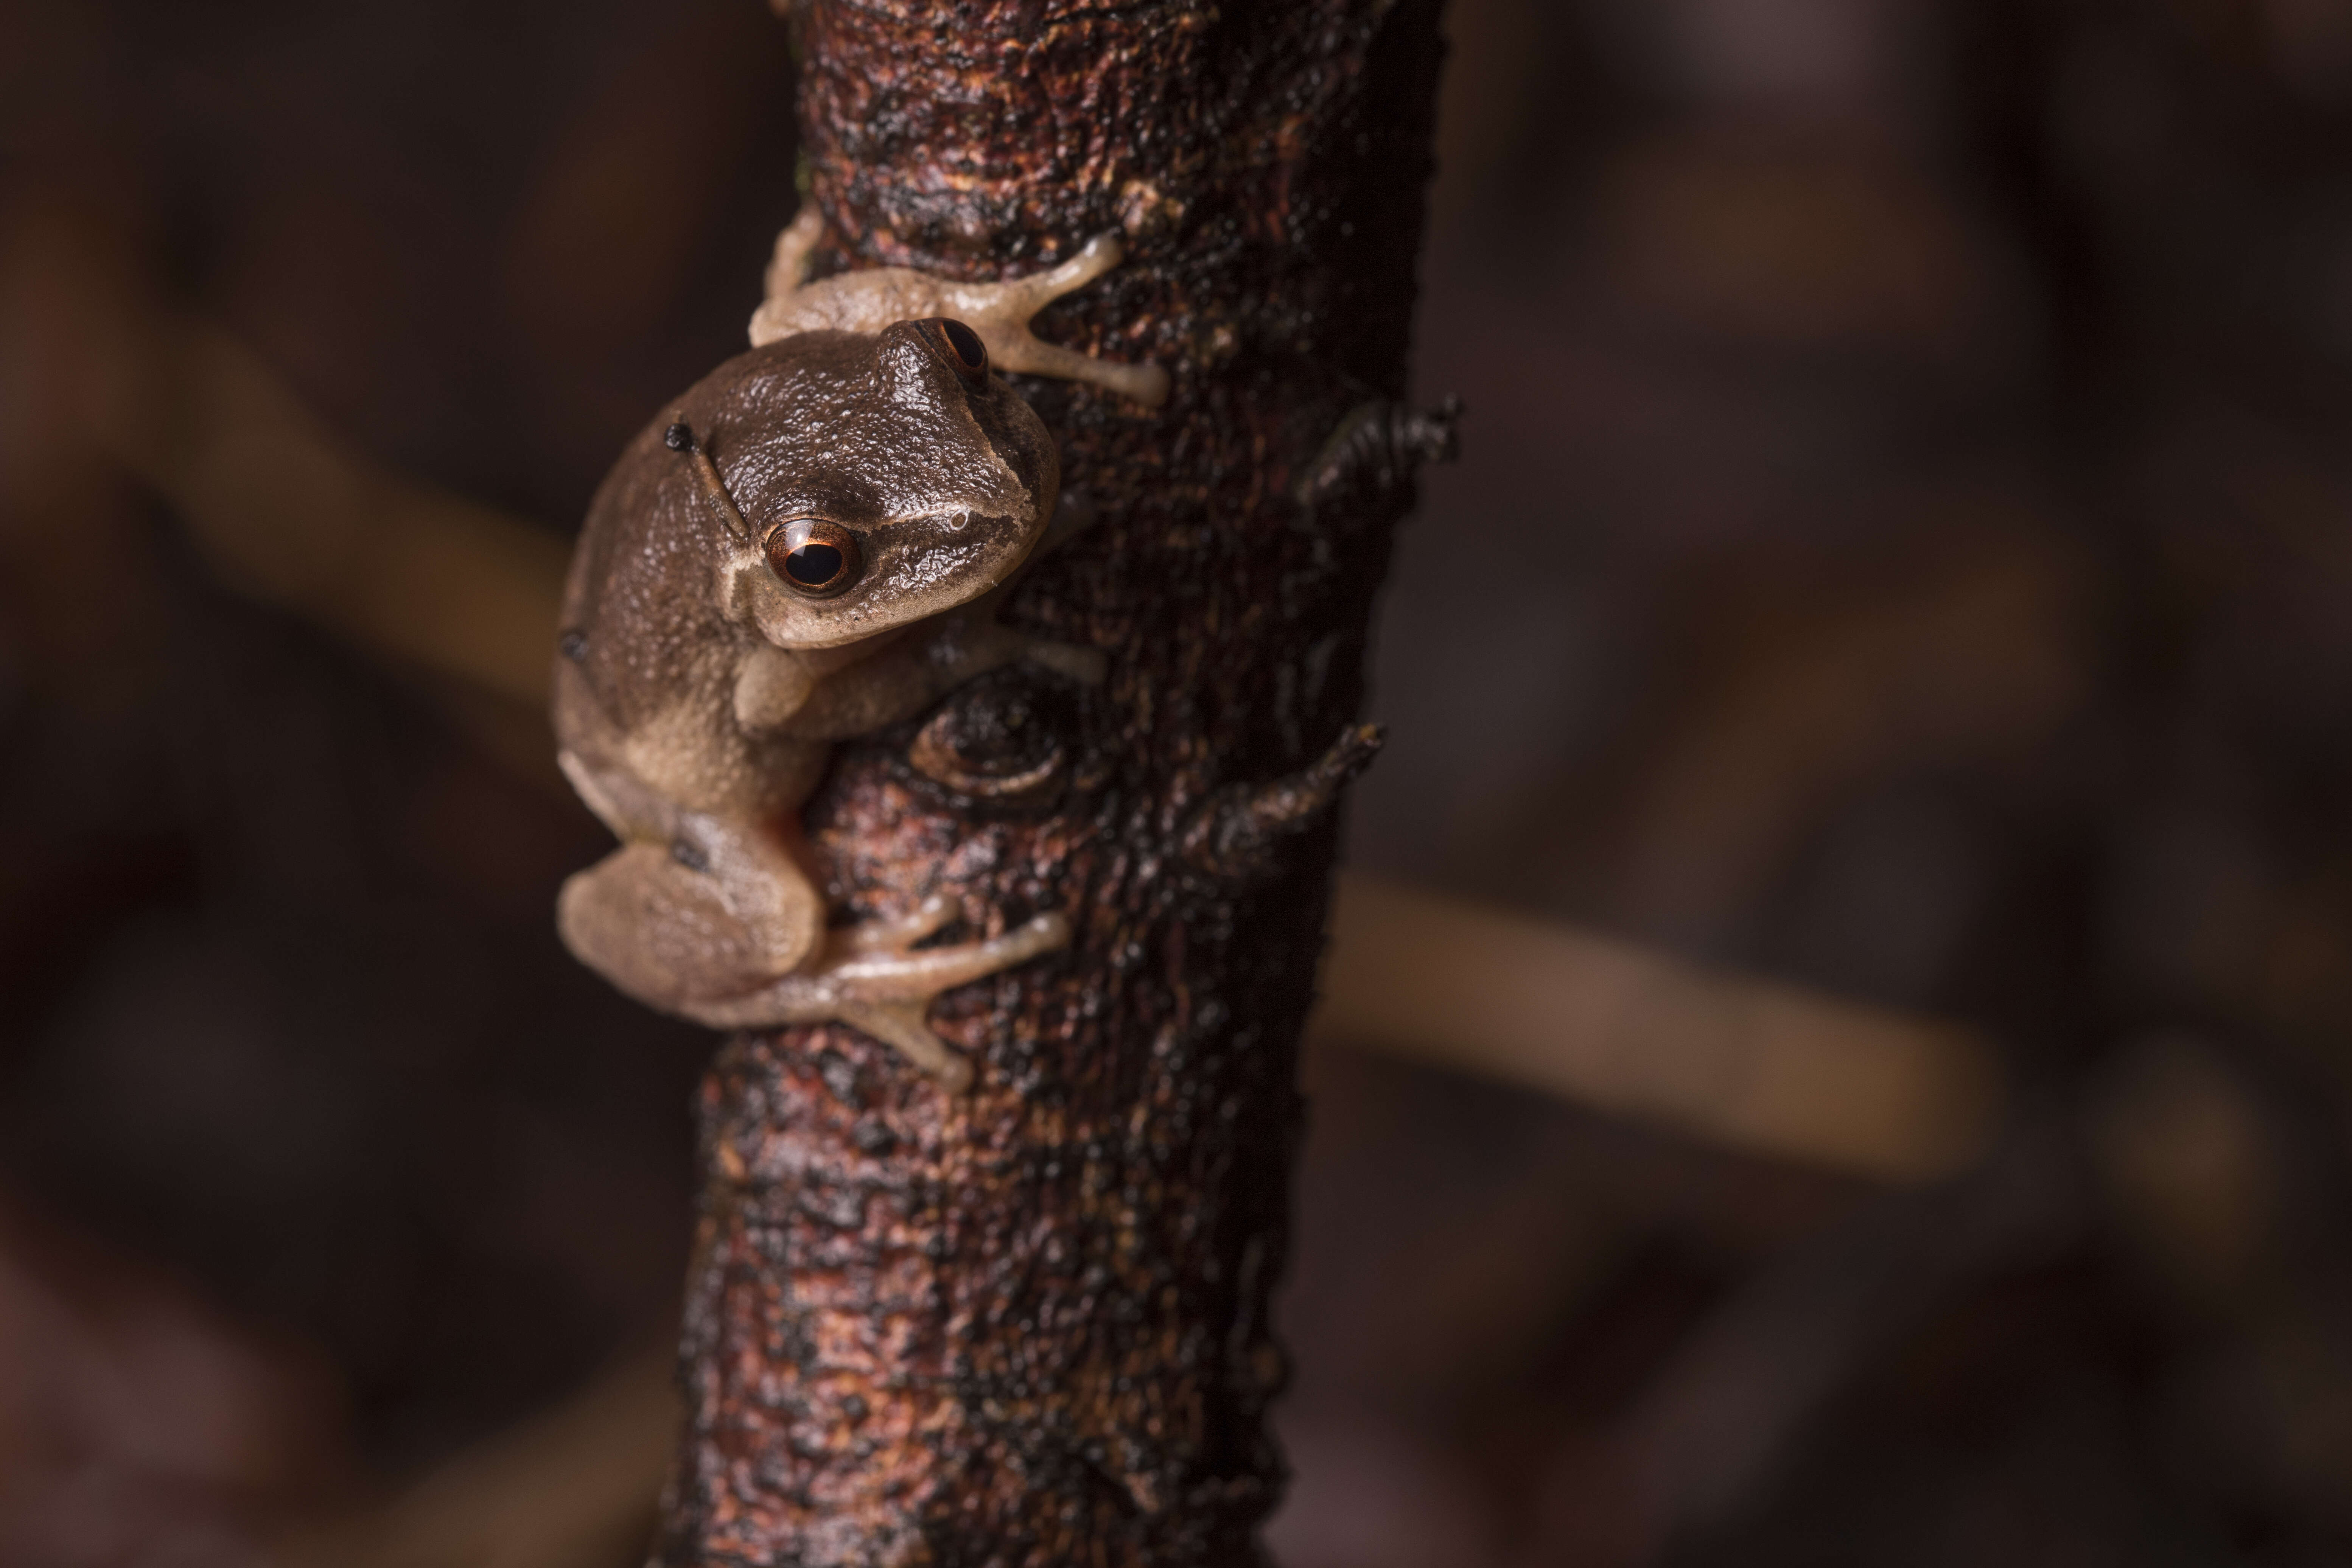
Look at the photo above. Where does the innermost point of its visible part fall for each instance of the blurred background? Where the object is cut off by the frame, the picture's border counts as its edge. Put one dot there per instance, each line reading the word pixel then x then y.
pixel 1904 552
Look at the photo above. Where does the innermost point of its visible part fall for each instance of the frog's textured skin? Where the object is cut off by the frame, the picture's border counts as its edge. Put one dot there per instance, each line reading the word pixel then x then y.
pixel 698 693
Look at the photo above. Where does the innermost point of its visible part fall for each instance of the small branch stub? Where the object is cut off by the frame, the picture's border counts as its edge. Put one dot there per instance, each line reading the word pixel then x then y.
pixel 1381 445
pixel 1238 833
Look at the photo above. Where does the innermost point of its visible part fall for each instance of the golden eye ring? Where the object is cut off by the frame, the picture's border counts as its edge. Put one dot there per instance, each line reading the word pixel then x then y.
pixel 962 348
pixel 815 558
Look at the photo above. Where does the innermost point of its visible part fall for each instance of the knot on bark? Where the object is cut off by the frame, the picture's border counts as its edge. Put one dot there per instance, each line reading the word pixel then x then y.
pixel 1381 445
pixel 1234 835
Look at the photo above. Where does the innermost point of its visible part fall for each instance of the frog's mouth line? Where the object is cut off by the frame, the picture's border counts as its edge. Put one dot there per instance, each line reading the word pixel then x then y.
pixel 836 657
pixel 914 568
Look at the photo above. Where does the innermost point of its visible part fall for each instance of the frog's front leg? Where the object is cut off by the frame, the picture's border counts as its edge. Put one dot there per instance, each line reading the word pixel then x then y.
pixel 902 680
pixel 868 301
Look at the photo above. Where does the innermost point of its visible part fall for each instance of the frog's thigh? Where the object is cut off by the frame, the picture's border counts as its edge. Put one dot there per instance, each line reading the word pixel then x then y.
pixel 669 933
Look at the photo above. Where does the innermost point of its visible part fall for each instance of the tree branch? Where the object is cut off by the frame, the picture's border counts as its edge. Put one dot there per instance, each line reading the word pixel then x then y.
pixel 1029 1325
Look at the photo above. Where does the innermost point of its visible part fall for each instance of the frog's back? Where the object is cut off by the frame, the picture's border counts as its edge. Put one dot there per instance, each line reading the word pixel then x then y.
pixel 640 619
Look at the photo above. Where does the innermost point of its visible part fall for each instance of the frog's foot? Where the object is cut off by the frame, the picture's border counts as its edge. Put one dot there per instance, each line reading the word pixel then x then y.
pixel 900 1023
pixel 872 978
pixel 870 300
pixel 1001 313
pixel 896 933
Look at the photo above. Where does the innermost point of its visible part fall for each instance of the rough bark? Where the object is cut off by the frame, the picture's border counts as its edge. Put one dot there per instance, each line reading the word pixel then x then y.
pixel 1028 1325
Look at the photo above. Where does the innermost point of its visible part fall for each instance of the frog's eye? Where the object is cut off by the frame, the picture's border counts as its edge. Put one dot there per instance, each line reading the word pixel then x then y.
pixel 815 557
pixel 964 349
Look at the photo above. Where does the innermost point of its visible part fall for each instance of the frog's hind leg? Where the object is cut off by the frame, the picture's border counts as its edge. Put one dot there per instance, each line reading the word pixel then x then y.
pixel 895 974
pixel 872 978
pixel 692 906
pixel 893 988
pixel 900 1023
pixel 674 924
pixel 896 933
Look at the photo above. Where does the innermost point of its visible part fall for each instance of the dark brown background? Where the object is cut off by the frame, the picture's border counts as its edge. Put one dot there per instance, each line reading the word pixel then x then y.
pixel 1902 546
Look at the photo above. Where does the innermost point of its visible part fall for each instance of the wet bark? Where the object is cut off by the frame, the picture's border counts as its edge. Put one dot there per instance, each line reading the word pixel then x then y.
pixel 1028 1324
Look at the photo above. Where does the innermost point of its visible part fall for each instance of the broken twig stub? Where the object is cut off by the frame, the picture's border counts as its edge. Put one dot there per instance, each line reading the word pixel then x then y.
pixel 1028 1323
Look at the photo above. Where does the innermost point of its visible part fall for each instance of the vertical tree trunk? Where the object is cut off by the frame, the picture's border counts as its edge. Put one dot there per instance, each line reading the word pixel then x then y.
pixel 1028 1325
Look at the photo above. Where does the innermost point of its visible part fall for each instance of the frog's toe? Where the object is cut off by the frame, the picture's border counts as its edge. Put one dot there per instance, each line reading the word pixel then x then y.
pixel 922 974
pixel 886 994
pixel 896 933
pixel 900 1023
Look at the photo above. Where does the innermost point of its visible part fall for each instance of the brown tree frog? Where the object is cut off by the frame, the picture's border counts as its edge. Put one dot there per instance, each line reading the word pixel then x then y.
pixel 810 545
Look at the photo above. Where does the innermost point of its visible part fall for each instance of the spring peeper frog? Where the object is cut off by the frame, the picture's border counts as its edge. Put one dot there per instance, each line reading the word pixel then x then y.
pixel 810 545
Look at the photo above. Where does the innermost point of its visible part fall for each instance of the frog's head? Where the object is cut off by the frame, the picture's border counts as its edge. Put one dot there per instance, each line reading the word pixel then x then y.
pixel 862 482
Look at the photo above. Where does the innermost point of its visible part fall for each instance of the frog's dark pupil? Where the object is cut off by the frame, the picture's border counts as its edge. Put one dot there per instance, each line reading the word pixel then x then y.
pixel 966 344
pixel 813 565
